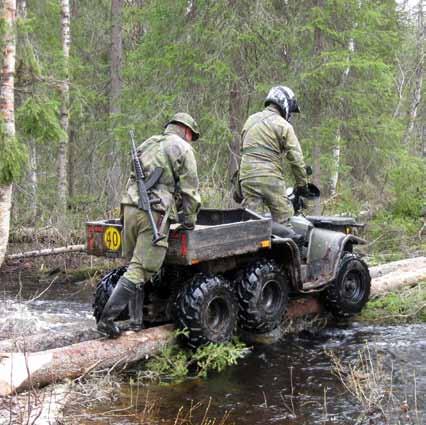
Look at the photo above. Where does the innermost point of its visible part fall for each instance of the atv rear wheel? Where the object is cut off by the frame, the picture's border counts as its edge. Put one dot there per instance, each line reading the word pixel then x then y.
pixel 350 291
pixel 104 290
pixel 206 306
pixel 263 296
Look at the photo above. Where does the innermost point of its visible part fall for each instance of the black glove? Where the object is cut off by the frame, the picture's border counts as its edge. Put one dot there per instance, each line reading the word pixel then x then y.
pixel 302 191
pixel 185 226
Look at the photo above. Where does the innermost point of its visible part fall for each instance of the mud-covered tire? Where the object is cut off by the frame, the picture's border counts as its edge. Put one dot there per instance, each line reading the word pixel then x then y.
pixel 349 292
pixel 104 290
pixel 263 296
pixel 207 308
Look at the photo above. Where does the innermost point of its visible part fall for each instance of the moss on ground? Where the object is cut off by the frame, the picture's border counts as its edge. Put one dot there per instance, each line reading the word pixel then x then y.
pixel 405 306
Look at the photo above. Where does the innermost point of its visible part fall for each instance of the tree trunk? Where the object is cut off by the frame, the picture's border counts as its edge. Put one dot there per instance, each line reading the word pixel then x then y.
pixel 21 371
pixel 417 95
pixel 7 113
pixel 33 181
pixel 235 112
pixel 334 176
pixel 64 90
pixel 316 152
pixel 5 205
pixel 116 57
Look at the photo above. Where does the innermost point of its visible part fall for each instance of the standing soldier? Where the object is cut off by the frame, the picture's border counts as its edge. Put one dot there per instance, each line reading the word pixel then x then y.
pixel 172 152
pixel 266 137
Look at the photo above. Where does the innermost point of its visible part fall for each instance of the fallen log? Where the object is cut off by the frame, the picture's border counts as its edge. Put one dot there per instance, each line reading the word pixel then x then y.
pixel 46 252
pixel 396 280
pixel 23 371
pixel 398 266
pixel 48 340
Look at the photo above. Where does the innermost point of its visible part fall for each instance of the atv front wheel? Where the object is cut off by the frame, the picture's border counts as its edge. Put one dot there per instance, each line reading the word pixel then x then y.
pixel 207 308
pixel 263 297
pixel 104 290
pixel 350 291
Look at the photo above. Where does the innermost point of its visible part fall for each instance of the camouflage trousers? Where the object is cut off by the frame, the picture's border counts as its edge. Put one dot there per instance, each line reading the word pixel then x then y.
pixel 268 193
pixel 145 258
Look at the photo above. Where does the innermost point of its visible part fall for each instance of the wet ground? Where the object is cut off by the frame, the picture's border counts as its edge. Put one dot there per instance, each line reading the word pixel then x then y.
pixel 289 382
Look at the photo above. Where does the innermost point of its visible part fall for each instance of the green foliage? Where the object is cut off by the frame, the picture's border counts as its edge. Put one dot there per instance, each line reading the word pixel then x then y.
pixel 13 157
pixel 217 357
pixel 393 237
pixel 406 306
pixel 39 119
pixel 408 183
pixel 217 62
pixel 175 363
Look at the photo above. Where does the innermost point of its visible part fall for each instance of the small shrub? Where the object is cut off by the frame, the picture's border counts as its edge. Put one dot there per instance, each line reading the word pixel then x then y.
pixel 175 363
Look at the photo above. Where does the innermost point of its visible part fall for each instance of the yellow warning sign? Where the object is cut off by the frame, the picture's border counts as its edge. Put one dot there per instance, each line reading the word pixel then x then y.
pixel 112 239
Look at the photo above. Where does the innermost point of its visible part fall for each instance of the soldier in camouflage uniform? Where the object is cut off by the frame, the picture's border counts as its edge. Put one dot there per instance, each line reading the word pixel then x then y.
pixel 173 153
pixel 266 137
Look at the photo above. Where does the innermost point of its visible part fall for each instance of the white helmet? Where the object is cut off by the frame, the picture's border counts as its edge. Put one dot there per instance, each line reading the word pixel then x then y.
pixel 284 98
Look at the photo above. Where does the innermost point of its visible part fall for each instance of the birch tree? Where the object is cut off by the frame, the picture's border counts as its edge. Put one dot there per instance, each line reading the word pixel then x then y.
pixel 7 116
pixel 64 90
pixel 418 74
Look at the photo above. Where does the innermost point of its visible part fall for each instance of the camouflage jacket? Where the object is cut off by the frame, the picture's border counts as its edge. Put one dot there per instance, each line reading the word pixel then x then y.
pixel 266 136
pixel 178 186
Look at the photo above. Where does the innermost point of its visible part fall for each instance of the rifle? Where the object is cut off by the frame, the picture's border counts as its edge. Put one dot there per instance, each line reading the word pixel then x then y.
pixel 144 185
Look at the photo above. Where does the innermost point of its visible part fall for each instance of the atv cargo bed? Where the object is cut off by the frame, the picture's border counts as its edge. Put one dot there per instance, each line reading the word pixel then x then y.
pixel 218 234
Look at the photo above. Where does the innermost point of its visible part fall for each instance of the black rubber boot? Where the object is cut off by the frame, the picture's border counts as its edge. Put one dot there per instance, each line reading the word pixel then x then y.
pixel 284 231
pixel 136 309
pixel 120 297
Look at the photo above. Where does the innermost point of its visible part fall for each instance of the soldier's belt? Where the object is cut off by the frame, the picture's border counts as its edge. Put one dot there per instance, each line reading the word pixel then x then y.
pixel 260 150
pixel 160 186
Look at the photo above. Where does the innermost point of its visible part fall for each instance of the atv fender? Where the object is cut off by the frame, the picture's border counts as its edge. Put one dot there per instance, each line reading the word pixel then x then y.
pixel 324 252
pixel 286 253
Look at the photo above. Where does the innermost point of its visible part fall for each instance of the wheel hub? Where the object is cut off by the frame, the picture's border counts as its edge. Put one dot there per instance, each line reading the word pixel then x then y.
pixel 217 313
pixel 352 287
pixel 271 296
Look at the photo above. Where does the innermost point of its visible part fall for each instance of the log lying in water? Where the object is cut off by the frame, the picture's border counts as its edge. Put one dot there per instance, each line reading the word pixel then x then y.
pixel 48 340
pixel 21 371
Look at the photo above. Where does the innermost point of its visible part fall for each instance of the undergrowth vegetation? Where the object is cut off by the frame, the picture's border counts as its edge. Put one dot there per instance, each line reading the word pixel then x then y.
pixel 370 379
pixel 405 306
pixel 175 363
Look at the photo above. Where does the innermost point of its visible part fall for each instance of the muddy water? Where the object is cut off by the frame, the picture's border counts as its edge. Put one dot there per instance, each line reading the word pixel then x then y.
pixel 289 382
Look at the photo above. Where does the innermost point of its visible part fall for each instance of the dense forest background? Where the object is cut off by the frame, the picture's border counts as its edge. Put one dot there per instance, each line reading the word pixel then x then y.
pixel 88 71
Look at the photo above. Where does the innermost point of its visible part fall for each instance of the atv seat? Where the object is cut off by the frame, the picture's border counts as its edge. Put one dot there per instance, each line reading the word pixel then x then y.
pixel 287 232
pixel 337 223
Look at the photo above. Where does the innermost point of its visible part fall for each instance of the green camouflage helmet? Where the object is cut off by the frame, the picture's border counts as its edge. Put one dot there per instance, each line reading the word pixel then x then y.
pixel 188 121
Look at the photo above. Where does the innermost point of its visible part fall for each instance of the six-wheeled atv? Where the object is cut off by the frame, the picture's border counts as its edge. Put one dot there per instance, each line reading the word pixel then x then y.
pixel 233 272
